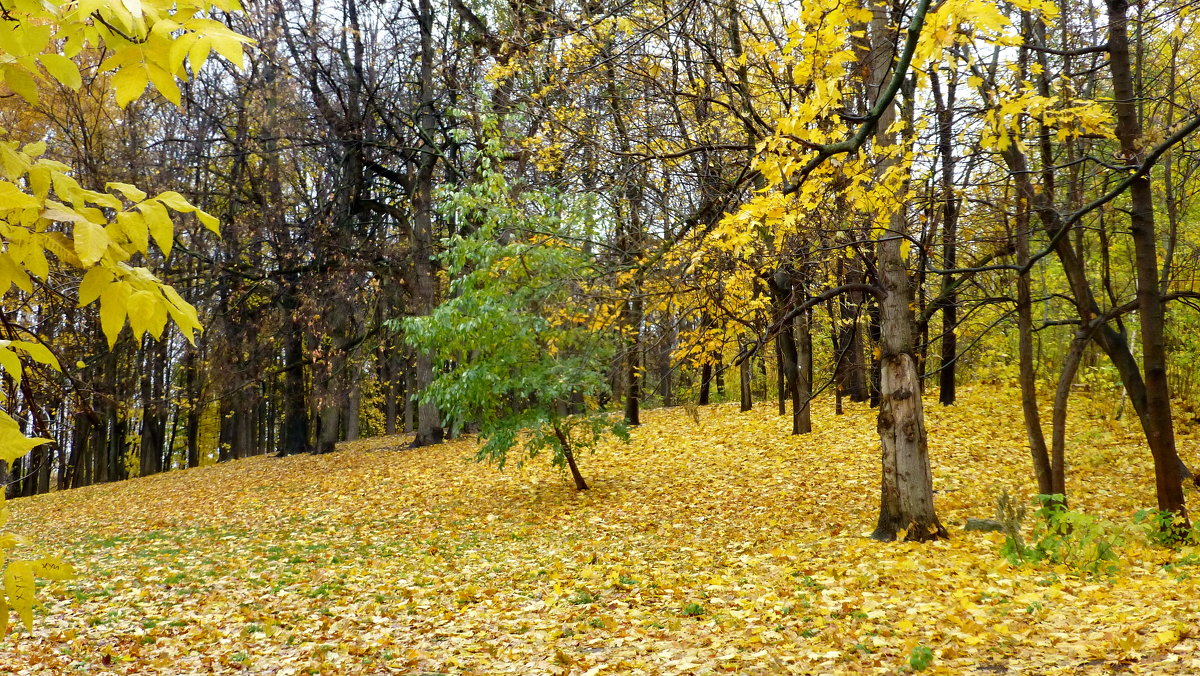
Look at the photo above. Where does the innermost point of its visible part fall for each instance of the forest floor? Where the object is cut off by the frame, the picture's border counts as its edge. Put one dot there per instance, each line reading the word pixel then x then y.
pixel 723 545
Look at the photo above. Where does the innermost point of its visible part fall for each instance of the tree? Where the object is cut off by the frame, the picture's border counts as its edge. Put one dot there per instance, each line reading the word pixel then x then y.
pixel 512 353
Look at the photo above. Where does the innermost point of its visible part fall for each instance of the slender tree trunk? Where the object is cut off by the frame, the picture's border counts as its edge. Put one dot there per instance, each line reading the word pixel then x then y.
pixel 949 302
pixel 429 426
pixel 705 383
pixel 353 403
pixel 744 380
pixel 781 391
pixel 1027 376
pixel 782 289
pixel 804 370
pixel 569 454
pixel 1161 432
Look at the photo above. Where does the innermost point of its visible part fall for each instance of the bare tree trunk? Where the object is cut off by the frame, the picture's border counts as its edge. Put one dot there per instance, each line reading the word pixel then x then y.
pixel 569 454
pixel 747 397
pixel 1027 376
pixel 804 370
pixel 1161 430
pixel 705 383
pixel 429 426
pixel 353 403
pixel 906 491
pixel 949 302
pixel 781 285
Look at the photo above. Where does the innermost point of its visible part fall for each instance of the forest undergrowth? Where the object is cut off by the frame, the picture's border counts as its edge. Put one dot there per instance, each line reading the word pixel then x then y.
pixel 704 546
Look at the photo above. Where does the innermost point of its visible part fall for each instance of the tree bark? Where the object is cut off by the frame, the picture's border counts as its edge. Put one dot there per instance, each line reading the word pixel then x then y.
pixel 429 426
pixel 1161 429
pixel 906 491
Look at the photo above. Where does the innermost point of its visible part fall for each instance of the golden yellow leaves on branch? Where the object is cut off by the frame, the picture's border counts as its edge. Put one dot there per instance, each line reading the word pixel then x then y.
pixel 48 219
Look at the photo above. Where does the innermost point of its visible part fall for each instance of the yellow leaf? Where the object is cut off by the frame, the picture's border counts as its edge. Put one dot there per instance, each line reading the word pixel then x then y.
pixel 18 585
pixel 131 192
pixel 94 282
pixel 62 69
pixel 159 222
pixel 52 568
pixel 114 302
pixel 133 224
pixel 211 222
pixel 20 81
pixel 128 83
pixel 91 241
pixel 13 444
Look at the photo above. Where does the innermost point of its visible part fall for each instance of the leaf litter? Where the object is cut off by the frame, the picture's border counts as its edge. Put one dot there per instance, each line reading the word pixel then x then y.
pixel 717 545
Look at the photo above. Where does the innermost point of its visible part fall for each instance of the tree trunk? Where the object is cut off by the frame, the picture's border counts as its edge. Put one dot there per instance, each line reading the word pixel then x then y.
pixel 948 302
pixel 906 491
pixel 1161 430
pixel 580 484
pixel 429 426
pixel 747 397
pixel 705 383
pixel 1027 377
pixel 353 404
pixel 782 290
pixel 804 370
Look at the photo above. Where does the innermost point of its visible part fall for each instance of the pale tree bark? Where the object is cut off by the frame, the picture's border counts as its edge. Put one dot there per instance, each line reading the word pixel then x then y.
pixel 906 491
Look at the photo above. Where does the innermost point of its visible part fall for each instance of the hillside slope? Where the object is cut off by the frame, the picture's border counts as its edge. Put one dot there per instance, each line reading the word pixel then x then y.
pixel 719 546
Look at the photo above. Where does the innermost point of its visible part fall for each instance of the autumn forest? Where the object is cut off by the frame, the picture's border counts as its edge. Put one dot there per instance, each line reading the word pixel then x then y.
pixel 585 336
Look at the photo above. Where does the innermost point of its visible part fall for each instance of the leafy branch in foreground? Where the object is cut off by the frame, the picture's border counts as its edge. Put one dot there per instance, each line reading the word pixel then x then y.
pixel 50 222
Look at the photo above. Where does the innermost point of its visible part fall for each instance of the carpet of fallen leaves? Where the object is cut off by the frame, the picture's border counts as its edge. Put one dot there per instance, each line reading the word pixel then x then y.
pixel 722 545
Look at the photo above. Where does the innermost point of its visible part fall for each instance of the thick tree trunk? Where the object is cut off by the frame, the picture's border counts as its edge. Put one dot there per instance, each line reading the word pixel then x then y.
pixel 294 435
pixel 327 427
pixel 906 491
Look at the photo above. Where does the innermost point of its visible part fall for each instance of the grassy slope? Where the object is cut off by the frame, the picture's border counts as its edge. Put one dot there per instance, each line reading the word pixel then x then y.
pixel 376 560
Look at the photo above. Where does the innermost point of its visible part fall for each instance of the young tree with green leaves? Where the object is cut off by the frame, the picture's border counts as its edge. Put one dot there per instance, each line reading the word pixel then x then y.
pixel 518 350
